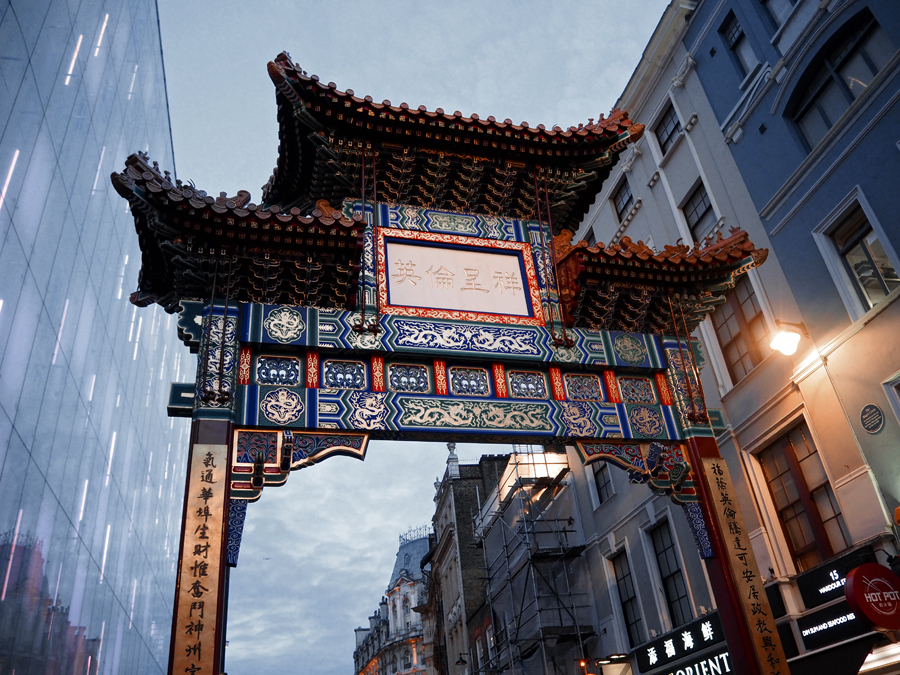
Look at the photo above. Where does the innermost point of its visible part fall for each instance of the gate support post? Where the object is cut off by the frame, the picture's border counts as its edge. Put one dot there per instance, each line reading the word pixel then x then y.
pixel 198 620
pixel 747 620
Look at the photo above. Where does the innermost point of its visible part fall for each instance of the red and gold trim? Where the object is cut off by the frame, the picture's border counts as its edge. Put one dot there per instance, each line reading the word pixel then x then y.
pixel 459 315
pixel 377 373
pixel 440 378
pixel 556 383
pixel 665 396
pixel 244 365
pixel 612 386
pixel 500 380
pixel 312 370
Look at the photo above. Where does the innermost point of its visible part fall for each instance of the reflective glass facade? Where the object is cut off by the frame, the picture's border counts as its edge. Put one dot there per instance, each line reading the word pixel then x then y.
pixel 91 469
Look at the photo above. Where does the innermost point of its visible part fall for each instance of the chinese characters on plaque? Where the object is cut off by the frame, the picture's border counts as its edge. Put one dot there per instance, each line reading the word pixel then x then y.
pixel 200 563
pixel 744 569
pixel 456 279
pixel 699 640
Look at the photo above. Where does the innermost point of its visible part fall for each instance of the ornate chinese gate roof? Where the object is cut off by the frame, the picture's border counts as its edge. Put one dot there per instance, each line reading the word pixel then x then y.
pixel 190 241
pixel 433 159
pixel 629 286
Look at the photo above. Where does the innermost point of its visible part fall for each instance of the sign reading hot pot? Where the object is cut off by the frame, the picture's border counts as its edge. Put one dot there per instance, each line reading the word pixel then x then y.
pixel 873 592
pixel 693 649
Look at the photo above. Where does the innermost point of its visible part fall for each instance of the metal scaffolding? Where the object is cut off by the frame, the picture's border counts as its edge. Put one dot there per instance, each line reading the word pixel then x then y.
pixel 537 580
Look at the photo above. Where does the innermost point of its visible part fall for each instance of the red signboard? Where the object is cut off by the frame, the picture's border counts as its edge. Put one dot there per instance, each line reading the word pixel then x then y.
pixel 873 592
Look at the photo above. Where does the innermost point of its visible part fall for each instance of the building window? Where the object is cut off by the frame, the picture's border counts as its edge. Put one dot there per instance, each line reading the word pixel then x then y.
pixel 840 77
pixel 672 579
pixel 405 607
pixel 741 329
pixel 698 213
pixel 603 482
pixel 779 10
pixel 623 200
pixel 668 129
pixel 591 238
pixel 737 42
pixel 807 509
pixel 864 258
pixel 628 597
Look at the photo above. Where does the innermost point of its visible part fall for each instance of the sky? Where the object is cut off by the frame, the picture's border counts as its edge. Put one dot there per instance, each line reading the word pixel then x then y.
pixel 317 553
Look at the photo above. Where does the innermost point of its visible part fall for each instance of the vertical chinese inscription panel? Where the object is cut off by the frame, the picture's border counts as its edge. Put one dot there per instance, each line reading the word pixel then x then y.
pixel 744 569
pixel 197 601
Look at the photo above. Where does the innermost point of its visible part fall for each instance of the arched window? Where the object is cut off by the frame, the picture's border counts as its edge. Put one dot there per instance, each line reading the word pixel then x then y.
pixel 839 75
pixel 405 607
pixel 407 660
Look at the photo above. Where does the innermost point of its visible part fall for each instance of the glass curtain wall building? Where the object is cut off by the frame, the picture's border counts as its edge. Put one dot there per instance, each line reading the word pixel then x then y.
pixel 91 469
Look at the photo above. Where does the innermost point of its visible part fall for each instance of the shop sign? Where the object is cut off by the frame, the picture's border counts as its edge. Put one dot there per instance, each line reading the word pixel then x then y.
pixel 826 583
pixel 835 623
pixel 873 592
pixel 683 646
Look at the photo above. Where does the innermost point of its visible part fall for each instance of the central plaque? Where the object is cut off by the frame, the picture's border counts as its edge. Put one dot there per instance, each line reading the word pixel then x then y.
pixel 443 276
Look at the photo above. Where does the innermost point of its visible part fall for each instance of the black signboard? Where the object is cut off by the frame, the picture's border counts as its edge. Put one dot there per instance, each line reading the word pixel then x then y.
pixel 683 645
pixel 826 582
pixel 832 624
pixel 872 418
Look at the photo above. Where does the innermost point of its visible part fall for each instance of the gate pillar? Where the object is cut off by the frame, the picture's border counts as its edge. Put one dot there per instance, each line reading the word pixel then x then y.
pixel 198 621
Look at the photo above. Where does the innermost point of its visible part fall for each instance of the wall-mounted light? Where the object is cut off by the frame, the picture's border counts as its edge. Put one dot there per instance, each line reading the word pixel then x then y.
pixel 787 337
pixel 461 661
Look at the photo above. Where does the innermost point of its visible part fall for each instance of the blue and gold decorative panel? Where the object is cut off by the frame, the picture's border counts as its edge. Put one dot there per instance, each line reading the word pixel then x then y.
pixel 527 384
pixel 634 350
pixel 661 466
pixel 416 336
pixel 251 444
pixel 281 406
pixel 488 415
pixel 694 514
pixel 278 370
pixel 645 421
pixel 583 387
pixel 343 375
pixel 237 514
pixel 689 406
pixel 469 382
pixel 408 378
pixel 284 325
pixel 637 390
pixel 405 217
pixel 217 364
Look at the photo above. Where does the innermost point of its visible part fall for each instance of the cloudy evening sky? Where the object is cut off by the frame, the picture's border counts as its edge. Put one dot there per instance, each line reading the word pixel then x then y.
pixel 317 553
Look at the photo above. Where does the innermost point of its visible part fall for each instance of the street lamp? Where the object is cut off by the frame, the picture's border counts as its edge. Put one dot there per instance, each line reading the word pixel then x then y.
pixel 786 339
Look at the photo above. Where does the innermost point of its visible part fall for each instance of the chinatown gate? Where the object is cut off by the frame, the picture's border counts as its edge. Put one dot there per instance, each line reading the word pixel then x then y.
pixel 410 276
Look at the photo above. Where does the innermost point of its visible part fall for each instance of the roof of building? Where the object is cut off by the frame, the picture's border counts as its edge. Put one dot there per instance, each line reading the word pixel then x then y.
pixel 434 159
pixel 631 287
pixel 409 556
pixel 190 240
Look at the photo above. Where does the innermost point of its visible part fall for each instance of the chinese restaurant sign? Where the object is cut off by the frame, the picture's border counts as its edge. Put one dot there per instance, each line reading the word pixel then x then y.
pixel 452 277
pixel 744 569
pixel 690 643
pixel 197 594
pixel 873 592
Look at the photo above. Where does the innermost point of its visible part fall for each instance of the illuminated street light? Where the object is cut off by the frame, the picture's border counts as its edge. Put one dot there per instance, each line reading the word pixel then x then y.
pixel 786 339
